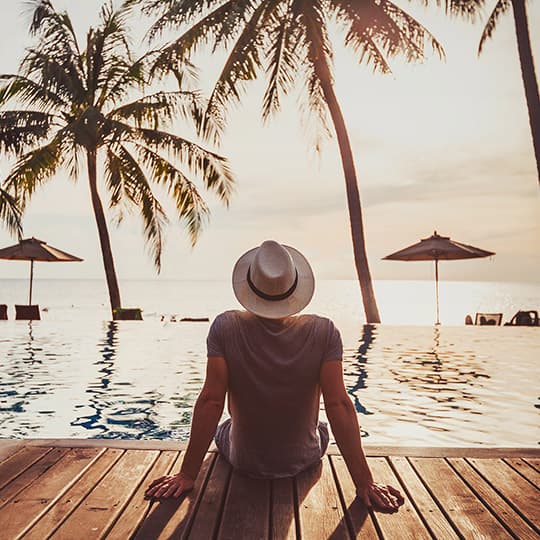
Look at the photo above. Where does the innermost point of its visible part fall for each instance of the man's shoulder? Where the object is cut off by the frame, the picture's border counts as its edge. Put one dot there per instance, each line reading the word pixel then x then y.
pixel 318 320
pixel 229 316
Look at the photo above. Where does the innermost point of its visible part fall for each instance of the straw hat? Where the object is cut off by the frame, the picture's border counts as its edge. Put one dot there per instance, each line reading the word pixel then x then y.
pixel 273 280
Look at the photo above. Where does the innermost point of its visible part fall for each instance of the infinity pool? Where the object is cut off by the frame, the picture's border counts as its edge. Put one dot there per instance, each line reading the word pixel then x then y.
pixel 410 385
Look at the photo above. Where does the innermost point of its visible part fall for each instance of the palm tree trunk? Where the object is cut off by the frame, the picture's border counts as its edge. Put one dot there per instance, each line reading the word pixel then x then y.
pixel 353 196
pixel 106 252
pixel 528 73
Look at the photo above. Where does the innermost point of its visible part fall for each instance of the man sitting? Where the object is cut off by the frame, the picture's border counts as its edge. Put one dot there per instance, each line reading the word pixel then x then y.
pixel 273 366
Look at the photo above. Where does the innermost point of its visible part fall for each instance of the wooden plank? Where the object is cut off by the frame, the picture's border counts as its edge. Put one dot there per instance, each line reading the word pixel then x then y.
pixel 282 511
pixel 66 504
pixel 492 500
pixel 246 513
pixel 461 506
pixel 131 518
pixel 171 518
pixel 30 474
pixel 19 462
pixel 517 491
pixel 319 507
pixel 359 520
pixel 421 499
pixel 36 498
pixel 208 514
pixel 526 470
pixel 105 502
pixel 404 524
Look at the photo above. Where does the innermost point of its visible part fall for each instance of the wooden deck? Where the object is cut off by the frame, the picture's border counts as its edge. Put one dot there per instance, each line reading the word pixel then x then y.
pixel 80 489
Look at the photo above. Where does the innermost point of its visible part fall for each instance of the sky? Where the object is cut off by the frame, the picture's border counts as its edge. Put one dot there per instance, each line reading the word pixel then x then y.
pixel 441 145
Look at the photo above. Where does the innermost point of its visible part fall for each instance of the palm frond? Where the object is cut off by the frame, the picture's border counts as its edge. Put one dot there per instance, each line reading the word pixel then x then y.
pixel 10 213
pixel 219 27
pixel 29 92
pixel 21 129
pixel 56 32
pixel 161 108
pixel 175 13
pixel 382 29
pixel 241 66
pixel 127 181
pixel 284 63
pixel 314 40
pixel 107 50
pixel 192 209
pixel 33 169
pixel 55 74
pixel 501 7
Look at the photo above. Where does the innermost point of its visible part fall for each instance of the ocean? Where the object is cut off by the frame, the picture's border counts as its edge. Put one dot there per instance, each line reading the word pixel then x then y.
pixel 77 374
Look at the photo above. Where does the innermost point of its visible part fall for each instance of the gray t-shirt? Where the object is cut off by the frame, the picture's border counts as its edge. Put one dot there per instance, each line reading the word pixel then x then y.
pixel 273 392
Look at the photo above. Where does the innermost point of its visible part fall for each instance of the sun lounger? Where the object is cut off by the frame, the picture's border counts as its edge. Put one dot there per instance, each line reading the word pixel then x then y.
pixel 524 318
pixel 489 319
pixel 27 313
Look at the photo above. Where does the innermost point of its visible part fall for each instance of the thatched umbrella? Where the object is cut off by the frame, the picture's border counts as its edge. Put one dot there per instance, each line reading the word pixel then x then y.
pixel 436 248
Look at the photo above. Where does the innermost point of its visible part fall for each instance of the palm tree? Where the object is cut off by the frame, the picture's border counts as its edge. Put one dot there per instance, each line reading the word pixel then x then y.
pixel 289 40
pixel 473 9
pixel 76 105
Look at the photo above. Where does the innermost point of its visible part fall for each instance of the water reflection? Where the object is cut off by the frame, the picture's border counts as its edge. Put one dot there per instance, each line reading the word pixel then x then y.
pixel 19 368
pixel 116 413
pixel 358 371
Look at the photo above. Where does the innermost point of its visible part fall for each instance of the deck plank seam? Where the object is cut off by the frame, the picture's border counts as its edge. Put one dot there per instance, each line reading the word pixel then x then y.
pixel 62 492
pixel 339 489
pixel 151 502
pixel 22 471
pixel 530 464
pixel 506 499
pixel 348 521
pixel 521 473
pixel 296 502
pixel 9 456
pixel 411 498
pixel 198 499
pixel 120 510
pixel 222 503
pixel 83 498
pixel 435 499
pixel 485 503
pixel 269 507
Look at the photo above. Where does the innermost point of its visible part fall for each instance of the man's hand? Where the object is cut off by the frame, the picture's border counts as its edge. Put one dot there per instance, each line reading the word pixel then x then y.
pixel 169 486
pixel 382 498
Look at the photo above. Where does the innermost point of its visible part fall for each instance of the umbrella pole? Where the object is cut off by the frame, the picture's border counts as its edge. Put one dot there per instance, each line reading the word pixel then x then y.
pixel 31 279
pixel 437 287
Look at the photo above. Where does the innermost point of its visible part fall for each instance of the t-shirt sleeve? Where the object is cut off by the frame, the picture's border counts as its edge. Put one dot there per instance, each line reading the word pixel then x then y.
pixel 214 341
pixel 334 345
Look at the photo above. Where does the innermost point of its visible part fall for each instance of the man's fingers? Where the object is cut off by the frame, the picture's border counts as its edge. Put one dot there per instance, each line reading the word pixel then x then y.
pixel 171 488
pixel 397 494
pixel 156 482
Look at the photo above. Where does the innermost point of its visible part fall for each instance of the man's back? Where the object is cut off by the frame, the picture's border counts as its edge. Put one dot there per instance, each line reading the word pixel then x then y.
pixel 273 367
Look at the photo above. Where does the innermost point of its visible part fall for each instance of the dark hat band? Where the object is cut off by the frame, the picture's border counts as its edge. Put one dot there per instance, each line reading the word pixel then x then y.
pixel 272 297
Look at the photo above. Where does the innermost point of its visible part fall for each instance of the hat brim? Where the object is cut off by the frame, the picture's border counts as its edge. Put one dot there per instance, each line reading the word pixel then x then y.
pixel 274 309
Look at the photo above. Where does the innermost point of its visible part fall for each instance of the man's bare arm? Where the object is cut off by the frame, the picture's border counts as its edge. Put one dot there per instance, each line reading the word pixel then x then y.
pixel 206 414
pixel 344 423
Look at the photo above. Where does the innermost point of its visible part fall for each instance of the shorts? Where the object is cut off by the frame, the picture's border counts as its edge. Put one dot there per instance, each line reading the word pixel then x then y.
pixel 223 442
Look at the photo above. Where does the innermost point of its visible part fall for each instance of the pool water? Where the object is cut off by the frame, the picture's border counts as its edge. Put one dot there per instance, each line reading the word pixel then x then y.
pixel 425 385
